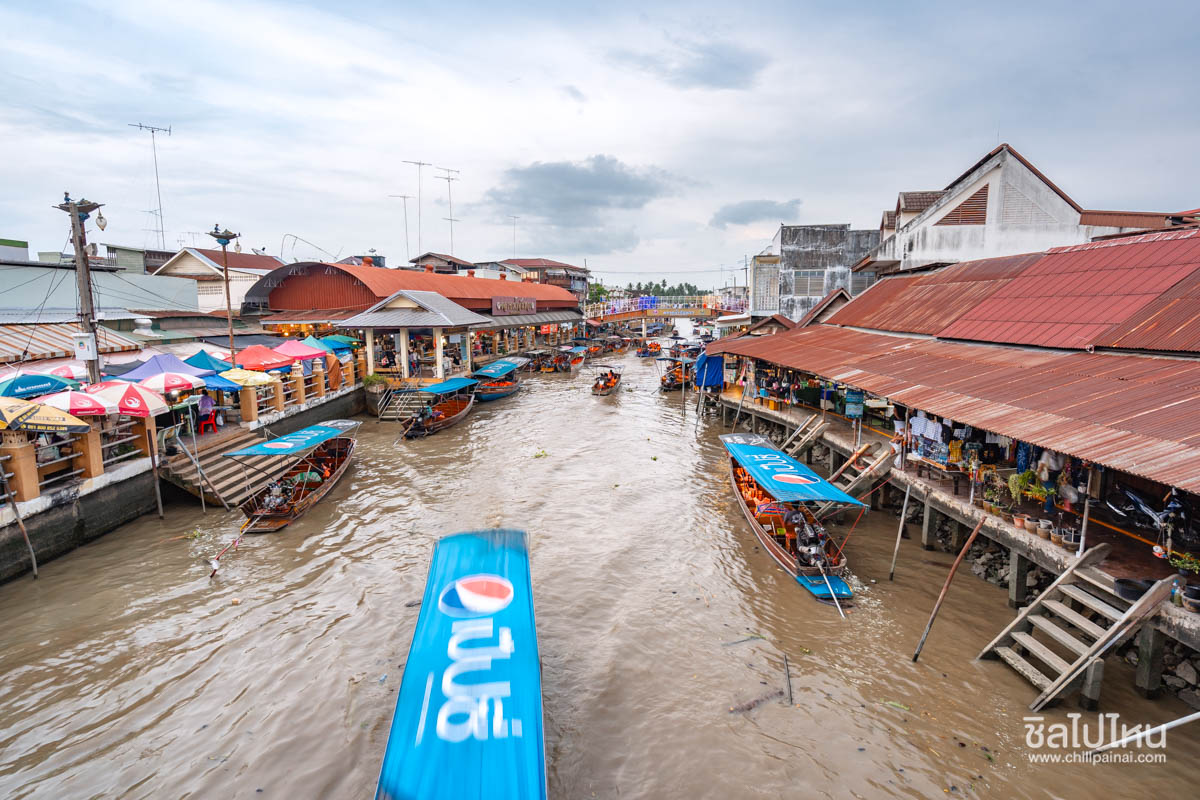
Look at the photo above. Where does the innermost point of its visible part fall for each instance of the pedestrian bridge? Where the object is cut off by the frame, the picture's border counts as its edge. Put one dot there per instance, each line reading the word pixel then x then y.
pixel 653 307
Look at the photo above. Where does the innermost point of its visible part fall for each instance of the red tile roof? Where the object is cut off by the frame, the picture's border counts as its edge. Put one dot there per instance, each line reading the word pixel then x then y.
pixel 539 262
pixel 917 202
pixel 443 257
pixel 240 260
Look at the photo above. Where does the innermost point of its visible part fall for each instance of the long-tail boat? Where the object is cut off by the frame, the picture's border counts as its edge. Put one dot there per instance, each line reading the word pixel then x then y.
pixel 499 379
pixel 537 359
pixel 678 374
pixel 607 381
pixel 322 453
pixel 776 493
pixel 468 719
pixel 448 403
pixel 649 350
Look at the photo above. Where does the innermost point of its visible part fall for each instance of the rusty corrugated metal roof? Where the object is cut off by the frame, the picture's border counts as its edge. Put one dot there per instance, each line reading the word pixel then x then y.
pixel 54 340
pixel 1073 295
pixel 1129 412
pixel 927 304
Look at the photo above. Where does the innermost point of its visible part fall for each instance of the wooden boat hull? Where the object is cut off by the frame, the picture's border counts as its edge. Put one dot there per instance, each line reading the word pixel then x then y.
pixel 606 391
pixel 271 522
pixel 433 426
pixel 486 394
pixel 790 564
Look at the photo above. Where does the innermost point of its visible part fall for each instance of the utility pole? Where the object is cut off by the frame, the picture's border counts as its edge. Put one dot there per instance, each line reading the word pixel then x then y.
pixel 224 237
pixel 514 219
pixel 405 198
pixel 449 178
pixel 79 211
pixel 162 237
pixel 418 165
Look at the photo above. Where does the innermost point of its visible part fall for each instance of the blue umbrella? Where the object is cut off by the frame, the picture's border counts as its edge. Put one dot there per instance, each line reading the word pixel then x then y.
pixel 32 384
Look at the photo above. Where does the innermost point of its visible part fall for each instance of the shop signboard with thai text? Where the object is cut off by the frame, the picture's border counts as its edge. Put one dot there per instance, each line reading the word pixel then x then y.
pixel 508 306
pixel 854 403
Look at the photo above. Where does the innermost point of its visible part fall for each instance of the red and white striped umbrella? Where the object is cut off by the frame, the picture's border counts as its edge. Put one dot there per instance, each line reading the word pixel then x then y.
pixel 76 372
pixel 165 382
pixel 78 403
pixel 130 399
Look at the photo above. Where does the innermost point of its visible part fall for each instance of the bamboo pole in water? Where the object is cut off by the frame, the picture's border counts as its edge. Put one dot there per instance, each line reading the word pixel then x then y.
pixel 946 587
pixel 900 532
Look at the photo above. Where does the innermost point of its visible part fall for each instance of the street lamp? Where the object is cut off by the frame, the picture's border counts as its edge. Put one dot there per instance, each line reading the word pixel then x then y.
pixel 224 237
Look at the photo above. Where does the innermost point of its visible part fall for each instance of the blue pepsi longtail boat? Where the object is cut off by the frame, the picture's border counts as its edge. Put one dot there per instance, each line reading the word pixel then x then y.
pixel 498 379
pixel 468 721
pixel 775 492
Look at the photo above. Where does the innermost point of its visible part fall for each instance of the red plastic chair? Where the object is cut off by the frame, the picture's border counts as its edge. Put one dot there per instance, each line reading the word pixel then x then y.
pixel 209 422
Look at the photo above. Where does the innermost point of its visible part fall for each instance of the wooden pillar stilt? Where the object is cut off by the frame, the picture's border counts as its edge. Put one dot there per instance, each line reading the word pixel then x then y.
pixel 1018 573
pixel 929 527
pixel 1150 643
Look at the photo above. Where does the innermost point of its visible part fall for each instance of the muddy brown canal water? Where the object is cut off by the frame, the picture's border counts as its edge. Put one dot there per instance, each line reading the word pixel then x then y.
pixel 125 672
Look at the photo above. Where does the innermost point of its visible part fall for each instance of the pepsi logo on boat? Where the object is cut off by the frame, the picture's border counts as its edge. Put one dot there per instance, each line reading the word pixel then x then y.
pixel 476 596
pixel 801 480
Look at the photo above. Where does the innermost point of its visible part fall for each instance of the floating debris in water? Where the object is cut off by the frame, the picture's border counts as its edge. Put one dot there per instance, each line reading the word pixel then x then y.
pixel 740 641
pixel 412 604
pixel 540 454
pixel 753 704
pixel 894 704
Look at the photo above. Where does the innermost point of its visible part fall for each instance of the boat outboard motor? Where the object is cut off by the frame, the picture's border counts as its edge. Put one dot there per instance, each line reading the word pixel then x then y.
pixel 810 544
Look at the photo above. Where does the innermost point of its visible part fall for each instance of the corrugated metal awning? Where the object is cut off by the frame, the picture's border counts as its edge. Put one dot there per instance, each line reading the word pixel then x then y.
pixel 520 320
pixel 54 340
pixel 1132 413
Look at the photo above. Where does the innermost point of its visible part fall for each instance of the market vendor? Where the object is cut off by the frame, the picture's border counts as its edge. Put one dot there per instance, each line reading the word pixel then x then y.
pixel 1050 466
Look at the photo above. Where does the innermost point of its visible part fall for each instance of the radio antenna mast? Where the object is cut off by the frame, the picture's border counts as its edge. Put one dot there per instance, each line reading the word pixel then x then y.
pixel 449 177
pixel 162 237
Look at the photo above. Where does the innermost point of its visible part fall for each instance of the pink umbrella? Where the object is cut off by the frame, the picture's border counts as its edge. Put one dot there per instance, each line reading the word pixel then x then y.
pixel 78 403
pixel 130 399
pixel 165 382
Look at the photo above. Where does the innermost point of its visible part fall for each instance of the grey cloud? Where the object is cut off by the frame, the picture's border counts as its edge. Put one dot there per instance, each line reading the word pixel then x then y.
pixel 753 211
pixel 574 194
pixel 576 206
pixel 708 64
pixel 573 92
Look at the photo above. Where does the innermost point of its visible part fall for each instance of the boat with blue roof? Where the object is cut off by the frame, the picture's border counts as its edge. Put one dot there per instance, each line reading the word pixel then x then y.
pixel 468 718
pixel 499 378
pixel 778 496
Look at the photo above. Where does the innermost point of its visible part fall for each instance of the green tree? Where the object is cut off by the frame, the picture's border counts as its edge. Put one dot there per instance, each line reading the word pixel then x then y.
pixel 597 293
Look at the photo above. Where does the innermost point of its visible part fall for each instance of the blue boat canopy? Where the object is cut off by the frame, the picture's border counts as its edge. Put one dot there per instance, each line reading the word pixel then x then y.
pixel 449 387
pixel 468 720
pixel 780 475
pixel 501 367
pixel 299 442
pixel 576 349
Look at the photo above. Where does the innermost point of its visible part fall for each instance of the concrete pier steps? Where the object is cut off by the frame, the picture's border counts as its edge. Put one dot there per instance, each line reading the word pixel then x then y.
pixel 1058 642
pixel 402 405
pixel 225 481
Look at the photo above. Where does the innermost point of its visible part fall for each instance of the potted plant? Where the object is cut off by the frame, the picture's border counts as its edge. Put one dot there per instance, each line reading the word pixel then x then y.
pixel 1185 563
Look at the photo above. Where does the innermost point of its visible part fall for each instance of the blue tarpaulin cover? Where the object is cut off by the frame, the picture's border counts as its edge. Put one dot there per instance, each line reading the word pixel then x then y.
pixel 710 370
pixel 468 720
pixel 780 475
pixel 501 367
pixel 298 442
pixel 206 360
pixel 450 386
pixel 219 384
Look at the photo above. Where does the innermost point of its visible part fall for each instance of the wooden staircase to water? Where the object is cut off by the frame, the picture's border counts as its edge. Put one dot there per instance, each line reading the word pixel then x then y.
pixel 222 481
pixel 856 476
pixel 1059 641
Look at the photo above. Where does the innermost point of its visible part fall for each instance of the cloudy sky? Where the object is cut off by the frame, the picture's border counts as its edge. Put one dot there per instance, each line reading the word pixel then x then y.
pixel 653 140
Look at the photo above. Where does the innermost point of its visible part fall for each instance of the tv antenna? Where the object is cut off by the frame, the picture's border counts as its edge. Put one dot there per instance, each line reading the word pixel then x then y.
pixel 449 177
pixel 405 198
pixel 162 237
pixel 419 165
pixel 514 219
